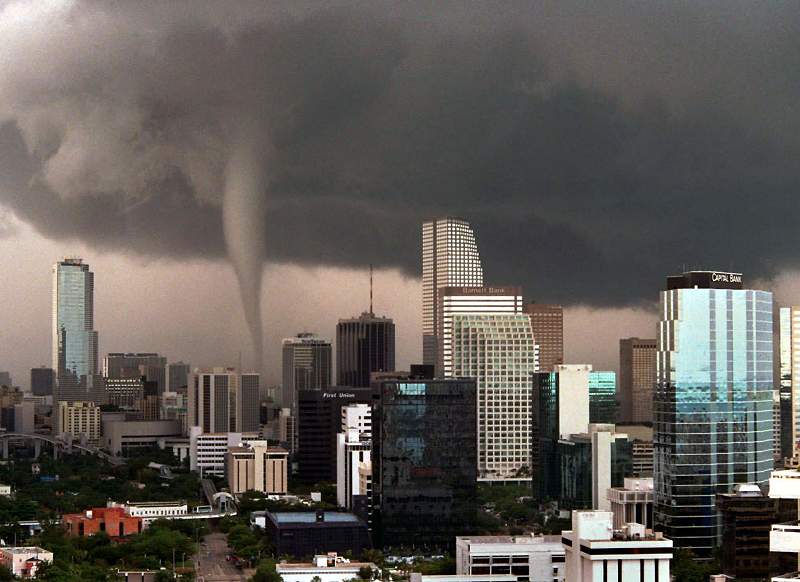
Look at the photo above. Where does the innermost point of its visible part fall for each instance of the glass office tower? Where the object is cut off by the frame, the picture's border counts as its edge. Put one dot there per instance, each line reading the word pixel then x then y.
pixel 424 461
pixel 74 338
pixel 713 401
pixel 364 345
pixel 603 397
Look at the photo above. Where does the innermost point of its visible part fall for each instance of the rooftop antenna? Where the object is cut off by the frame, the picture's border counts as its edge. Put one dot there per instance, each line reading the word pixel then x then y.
pixel 370 290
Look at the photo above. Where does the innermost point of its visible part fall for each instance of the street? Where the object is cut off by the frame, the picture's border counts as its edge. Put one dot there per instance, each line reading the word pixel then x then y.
pixel 210 562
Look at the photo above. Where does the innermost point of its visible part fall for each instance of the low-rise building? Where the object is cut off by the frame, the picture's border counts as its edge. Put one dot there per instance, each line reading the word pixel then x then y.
pixel 526 558
pixel 208 451
pixel 746 517
pixel 417 577
pixel 595 551
pixel 311 533
pixel 784 538
pixel 256 466
pixel 24 561
pixel 633 502
pixel 325 568
pixel 150 511
pixel 122 436
pixel 111 520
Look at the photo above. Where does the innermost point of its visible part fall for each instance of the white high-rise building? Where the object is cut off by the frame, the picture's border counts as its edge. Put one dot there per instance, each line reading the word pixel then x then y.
pixel 450 258
pixel 358 416
pixel 353 458
pixel 460 300
pixel 497 349
pixel 354 454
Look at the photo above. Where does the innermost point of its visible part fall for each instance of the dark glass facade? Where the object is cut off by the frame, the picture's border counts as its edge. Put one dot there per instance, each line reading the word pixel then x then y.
pixel 363 345
pixel 575 463
pixel 746 522
pixel 42 381
pixel 712 405
pixel 575 466
pixel 424 462
pixel 602 397
pixel 304 534
pixel 319 419
pixel 546 434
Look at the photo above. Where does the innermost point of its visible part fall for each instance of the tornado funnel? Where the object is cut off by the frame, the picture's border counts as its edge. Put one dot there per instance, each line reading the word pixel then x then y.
pixel 243 214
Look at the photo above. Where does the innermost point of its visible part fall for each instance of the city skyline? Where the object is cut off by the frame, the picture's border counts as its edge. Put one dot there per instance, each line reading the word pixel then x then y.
pixel 31 294
pixel 431 291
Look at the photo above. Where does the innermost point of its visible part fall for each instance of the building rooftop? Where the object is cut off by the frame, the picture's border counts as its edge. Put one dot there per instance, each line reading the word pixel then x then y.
pixel 511 539
pixel 155 503
pixel 311 517
pixel 338 566
pixel 705 280
pixel 25 550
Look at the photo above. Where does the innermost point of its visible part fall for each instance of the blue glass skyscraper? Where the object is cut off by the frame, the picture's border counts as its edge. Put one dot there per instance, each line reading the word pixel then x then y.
pixel 74 338
pixel 603 397
pixel 712 402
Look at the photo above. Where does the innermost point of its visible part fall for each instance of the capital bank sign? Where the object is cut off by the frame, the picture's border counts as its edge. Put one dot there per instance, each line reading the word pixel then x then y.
pixel 726 277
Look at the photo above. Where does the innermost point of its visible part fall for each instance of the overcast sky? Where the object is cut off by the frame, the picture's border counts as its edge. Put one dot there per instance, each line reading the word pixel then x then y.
pixel 596 147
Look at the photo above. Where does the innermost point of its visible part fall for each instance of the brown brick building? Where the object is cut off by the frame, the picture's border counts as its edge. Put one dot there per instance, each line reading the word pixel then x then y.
pixel 111 520
pixel 547 322
pixel 637 379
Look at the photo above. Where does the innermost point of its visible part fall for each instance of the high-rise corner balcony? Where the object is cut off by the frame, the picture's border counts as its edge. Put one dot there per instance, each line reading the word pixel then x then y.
pixel 785 537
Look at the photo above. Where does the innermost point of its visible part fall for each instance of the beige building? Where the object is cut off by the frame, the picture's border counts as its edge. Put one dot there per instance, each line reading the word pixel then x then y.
pixel 256 466
pixel 79 418
pixel 637 379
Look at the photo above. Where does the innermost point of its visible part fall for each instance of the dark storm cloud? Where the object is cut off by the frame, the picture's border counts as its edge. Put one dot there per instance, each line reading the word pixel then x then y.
pixel 595 149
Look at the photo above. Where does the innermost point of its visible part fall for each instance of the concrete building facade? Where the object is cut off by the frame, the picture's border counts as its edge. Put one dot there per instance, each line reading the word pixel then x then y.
pixel 596 552
pixel 257 466
pixel 524 558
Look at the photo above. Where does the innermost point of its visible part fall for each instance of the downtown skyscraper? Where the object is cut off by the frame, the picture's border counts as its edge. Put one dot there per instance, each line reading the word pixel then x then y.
pixel 637 379
pixel 789 391
pixel 364 345
pixel 74 338
pixel 450 258
pixel 306 366
pixel 485 335
pixel 223 400
pixel 712 403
